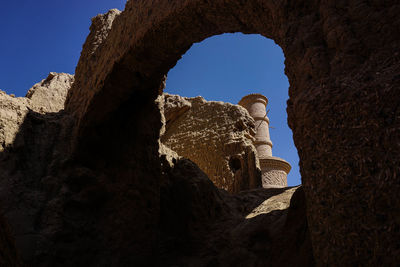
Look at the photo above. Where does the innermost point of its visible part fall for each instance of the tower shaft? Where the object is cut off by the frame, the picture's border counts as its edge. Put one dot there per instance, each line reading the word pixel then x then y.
pixel 274 170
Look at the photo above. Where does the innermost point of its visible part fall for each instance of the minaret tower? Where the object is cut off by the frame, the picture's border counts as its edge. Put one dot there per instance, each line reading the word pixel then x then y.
pixel 274 170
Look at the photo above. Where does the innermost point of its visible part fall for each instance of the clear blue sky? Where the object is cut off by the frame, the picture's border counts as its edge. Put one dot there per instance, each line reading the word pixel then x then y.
pixel 43 36
pixel 38 37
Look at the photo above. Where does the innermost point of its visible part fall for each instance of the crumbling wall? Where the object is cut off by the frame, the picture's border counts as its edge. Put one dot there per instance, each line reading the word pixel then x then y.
pixel 217 136
pixel 49 95
pixel 34 134
pixel 12 114
pixel 46 96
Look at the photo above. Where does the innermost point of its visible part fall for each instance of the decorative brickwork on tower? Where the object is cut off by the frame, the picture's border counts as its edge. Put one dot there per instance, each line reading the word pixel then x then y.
pixel 274 170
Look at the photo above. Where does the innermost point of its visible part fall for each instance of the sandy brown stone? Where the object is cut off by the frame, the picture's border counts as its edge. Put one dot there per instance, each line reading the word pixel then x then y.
pixel 12 114
pixel 174 106
pixel 46 96
pixel 217 136
pixel 49 95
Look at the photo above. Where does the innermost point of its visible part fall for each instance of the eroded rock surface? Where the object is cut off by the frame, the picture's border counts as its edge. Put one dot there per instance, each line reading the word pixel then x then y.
pixel 34 137
pixel 12 114
pixel 217 136
pixel 47 96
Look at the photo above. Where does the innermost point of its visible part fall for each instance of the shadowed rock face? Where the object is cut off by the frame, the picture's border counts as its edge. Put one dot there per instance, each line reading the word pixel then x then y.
pixel 102 199
pixel 204 226
pixel 8 252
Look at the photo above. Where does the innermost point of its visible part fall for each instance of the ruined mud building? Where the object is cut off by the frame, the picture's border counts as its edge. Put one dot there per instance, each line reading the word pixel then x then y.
pixel 86 185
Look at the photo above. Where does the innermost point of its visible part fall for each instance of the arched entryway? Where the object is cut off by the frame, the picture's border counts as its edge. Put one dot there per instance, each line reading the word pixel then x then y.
pixel 226 68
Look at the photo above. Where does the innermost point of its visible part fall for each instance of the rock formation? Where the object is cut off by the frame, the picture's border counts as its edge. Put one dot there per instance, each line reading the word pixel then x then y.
pixel 217 136
pixel 87 186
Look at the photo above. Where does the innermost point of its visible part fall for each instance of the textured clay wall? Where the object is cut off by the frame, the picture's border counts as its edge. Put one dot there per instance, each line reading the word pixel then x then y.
pixel 31 141
pixel 217 136
pixel 46 96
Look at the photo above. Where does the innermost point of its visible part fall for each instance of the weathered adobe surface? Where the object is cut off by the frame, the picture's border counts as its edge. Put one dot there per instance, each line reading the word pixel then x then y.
pixel 217 136
pixel 44 97
pixel 34 134
pixel 342 61
pixel 102 202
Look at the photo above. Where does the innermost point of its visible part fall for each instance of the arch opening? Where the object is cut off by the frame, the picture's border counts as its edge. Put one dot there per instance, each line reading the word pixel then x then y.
pixel 223 69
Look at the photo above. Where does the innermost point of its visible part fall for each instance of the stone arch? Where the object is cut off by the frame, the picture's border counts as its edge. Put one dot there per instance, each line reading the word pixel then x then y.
pixel 148 39
pixel 342 102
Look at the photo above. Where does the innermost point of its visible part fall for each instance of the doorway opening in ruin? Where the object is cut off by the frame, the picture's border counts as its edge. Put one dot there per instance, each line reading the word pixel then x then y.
pixel 226 68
